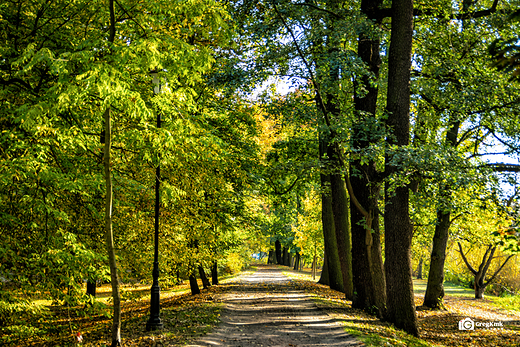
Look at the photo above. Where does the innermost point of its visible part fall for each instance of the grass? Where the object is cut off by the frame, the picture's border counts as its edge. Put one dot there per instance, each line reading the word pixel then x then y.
pixel 509 303
pixel 419 287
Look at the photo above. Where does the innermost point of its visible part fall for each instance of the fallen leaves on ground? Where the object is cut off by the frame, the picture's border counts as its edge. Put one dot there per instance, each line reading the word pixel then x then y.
pixel 186 317
pixel 437 327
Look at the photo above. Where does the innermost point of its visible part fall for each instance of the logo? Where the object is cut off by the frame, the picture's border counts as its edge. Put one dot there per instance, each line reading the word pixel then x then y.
pixel 466 324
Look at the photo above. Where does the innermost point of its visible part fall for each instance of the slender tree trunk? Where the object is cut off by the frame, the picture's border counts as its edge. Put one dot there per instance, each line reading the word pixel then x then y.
pixel 480 274
pixel 285 257
pixel 398 228
pixel 435 288
pixel 339 199
pixel 480 288
pixel 109 236
pixel 314 267
pixel 329 231
pixel 214 273
pixel 204 278
pixel 340 211
pixel 270 257
pixel 419 269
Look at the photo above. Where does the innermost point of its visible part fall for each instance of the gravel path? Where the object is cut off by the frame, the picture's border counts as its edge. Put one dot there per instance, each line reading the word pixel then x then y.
pixel 264 309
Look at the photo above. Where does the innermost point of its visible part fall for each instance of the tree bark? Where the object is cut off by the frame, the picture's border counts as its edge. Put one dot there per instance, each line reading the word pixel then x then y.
pixel 340 211
pixel 314 267
pixel 367 264
pixel 270 258
pixel 296 261
pixel 419 269
pixel 398 228
pixel 109 236
pixel 335 276
pixel 435 287
pixel 204 278
pixel 324 277
pixel 194 286
pixel 278 252
pixel 214 273
pixel 91 288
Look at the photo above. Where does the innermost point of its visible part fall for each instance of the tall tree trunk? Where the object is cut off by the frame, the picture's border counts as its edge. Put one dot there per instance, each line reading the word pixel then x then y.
pixel 435 287
pixel 338 192
pixel 314 267
pixel 203 277
pixel 278 252
pixel 214 273
pixel 109 236
pixel 296 261
pixel 324 277
pixel 419 269
pixel 398 228
pixel 329 230
pixel 367 263
pixel 340 211
pixel 285 257
pixel 270 259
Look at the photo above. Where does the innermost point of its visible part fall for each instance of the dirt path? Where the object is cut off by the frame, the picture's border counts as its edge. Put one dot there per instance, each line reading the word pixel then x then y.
pixel 264 309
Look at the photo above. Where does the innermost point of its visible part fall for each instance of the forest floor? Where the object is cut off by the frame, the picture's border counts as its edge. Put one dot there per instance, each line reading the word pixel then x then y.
pixel 266 308
pixel 437 327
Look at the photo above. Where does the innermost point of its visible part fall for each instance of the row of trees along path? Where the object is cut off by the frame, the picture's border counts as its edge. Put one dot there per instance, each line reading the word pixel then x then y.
pixel 265 309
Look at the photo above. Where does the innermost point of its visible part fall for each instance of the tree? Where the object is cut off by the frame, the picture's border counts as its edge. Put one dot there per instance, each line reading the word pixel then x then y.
pixel 364 180
pixel 398 229
pixel 441 99
pixel 479 282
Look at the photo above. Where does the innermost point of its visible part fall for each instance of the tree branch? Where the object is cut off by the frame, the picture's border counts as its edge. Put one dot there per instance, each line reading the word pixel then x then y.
pixel 499 269
pixel 430 12
pixel 473 271
pixel 503 167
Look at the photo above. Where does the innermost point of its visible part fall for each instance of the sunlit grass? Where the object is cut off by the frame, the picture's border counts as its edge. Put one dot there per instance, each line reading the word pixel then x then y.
pixel 419 288
pixel 511 303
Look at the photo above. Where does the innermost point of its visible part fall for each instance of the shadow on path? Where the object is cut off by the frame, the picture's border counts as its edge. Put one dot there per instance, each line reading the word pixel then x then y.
pixel 264 309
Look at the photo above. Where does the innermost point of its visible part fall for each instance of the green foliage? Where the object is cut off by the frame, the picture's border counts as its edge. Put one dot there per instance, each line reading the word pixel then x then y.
pixel 15 311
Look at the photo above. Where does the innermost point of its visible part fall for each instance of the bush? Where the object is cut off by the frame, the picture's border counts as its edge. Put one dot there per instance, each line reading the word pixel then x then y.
pixel 234 263
pixel 13 311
